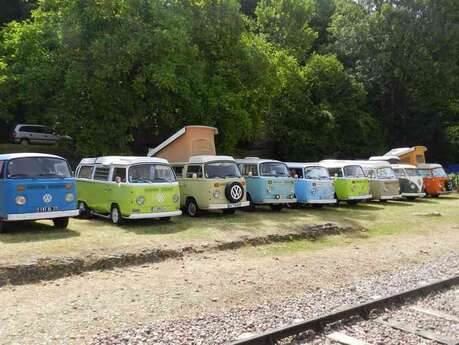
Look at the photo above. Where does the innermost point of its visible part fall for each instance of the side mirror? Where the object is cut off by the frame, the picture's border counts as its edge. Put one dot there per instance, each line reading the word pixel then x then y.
pixel 194 176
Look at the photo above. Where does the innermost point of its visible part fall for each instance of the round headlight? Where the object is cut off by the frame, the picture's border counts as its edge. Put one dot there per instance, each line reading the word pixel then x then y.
pixel 140 200
pixel 20 200
pixel 216 194
pixel 69 197
pixel 176 198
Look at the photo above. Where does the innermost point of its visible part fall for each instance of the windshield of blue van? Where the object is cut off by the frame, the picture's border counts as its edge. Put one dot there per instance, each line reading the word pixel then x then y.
pixel 274 169
pixel 353 171
pixel 439 172
pixel 37 168
pixel 150 173
pixel 221 170
pixel 413 172
pixel 386 173
pixel 316 173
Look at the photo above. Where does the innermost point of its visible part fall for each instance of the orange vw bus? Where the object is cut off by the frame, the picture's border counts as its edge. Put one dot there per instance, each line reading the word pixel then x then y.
pixel 436 181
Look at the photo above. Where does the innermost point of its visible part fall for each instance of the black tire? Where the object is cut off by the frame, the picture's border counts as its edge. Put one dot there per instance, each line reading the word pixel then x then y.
pixel 411 198
pixel 251 206
pixel 229 211
pixel 24 141
pixel 317 205
pixel 276 208
pixel 234 192
pixel 383 200
pixel 352 202
pixel 2 226
pixel 435 195
pixel 192 208
pixel 165 219
pixel 115 215
pixel 83 209
pixel 61 223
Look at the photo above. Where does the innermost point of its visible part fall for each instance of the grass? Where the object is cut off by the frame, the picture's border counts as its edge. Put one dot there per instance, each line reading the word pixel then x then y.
pixel 25 241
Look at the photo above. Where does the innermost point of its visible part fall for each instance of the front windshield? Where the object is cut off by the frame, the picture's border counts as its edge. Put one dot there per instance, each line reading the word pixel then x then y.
pixel 413 172
pixel 149 173
pixel 316 173
pixel 386 173
pixel 425 172
pixel 38 167
pixel 353 171
pixel 221 170
pixel 276 169
pixel 439 172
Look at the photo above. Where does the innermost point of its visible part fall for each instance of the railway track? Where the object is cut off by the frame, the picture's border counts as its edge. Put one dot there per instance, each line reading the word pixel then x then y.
pixel 364 310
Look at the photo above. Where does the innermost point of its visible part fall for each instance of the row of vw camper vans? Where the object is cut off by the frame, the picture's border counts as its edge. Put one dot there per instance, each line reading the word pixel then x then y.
pixel 39 186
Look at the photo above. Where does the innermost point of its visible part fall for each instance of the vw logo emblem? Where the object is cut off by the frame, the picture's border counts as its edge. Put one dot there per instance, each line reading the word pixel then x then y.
pixel 160 197
pixel 47 198
pixel 236 192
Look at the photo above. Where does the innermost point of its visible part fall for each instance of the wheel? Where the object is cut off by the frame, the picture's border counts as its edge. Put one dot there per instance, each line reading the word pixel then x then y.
pixel 25 142
pixel 382 200
pixel 192 208
pixel 115 215
pixel 229 211
pixel 435 195
pixel 2 226
pixel 352 202
pixel 83 208
pixel 276 208
pixel 317 205
pixel 411 198
pixel 61 223
pixel 251 206
pixel 165 219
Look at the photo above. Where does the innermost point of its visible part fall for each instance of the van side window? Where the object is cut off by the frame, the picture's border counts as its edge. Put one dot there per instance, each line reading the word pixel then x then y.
pixel 194 169
pixel 101 174
pixel 369 173
pixel 296 172
pixel 399 172
pixel 85 171
pixel 178 170
pixel 249 169
pixel 119 172
pixel 335 171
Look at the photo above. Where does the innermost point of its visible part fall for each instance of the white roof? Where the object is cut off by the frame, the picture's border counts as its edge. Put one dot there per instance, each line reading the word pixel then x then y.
pixel 403 151
pixel 331 163
pixel 209 158
pixel 26 155
pixel 123 160
pixel 28 124
pixel 255 160
pixel 403 166
pixel 372 164
pixel 175 136
pixel 385 158
pixel 429 166
pixel 302 165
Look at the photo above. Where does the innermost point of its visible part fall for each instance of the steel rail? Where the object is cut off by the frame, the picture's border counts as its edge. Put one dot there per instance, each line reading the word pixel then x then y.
pixel 270 337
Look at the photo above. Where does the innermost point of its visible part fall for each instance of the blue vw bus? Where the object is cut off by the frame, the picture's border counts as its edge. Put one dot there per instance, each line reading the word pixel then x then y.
pixel 268 182
pixel 36 186
pixel 313 185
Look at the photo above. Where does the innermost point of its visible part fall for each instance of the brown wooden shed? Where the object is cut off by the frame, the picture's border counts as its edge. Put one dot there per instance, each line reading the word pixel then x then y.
pixel 187 142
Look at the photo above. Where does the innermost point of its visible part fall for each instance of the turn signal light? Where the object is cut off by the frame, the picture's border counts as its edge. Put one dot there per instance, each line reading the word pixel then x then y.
pixel 68 186
pixel 20 188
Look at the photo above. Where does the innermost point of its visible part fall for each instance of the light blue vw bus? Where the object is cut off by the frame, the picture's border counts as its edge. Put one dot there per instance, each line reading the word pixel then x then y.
pixel 313 185
pixel 268 182
pixel 36 186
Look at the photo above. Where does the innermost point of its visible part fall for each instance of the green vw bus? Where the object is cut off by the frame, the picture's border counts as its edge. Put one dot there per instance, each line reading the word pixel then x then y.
pixel 351 185
pixel 118 187
pixel 210 182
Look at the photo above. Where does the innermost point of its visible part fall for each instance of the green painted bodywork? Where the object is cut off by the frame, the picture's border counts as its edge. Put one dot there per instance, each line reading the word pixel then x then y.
pixel 100 196
pixel 346 188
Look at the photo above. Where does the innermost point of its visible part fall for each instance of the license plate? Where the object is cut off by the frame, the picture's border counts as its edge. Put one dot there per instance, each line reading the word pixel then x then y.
pixel 47 209
pixel 158 209
pixel 234 205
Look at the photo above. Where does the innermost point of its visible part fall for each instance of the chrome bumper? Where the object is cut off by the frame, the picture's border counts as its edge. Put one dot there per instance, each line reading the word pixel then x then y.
pixel 277 201
pixel 224 206
pixel 389 197
pixel 154 215
pixel 360 197
pixel 41 215
pixel 324 201
pixel 418 195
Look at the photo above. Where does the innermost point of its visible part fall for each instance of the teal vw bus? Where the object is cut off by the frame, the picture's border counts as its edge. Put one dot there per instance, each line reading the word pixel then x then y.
pixel 268 182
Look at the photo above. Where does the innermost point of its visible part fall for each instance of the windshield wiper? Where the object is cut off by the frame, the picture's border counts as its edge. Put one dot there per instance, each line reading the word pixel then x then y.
pixel 49 174
pixel 19 175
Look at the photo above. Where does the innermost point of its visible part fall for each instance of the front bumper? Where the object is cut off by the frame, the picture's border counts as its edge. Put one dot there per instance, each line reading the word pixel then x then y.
pixel 359 197
pixel 415 195
pixel 154 215
pixel 277 201
pixel 225 206
pixel 389 197
pixel 41 215
pixel 323 201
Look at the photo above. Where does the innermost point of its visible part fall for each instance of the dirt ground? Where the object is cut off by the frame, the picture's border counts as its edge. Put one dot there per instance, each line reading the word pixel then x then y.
pixel 72 310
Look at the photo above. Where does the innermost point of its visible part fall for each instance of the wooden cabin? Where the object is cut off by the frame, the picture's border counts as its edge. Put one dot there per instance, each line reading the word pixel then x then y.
pixel 187 142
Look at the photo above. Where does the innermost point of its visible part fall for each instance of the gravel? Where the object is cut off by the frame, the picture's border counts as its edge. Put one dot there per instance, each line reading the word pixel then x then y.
pixel 239 323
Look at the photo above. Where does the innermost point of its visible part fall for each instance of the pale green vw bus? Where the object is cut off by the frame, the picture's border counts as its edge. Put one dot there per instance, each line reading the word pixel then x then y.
pixel 210 183
pixel 118 187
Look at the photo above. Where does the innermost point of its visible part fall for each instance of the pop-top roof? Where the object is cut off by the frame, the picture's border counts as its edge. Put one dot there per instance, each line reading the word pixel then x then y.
pixel 388 158
pixel 429 166
pixel 123 160
pixel 302 165
pixel 403 166
pixel 209 158
pixel 400 151
pixel 8 156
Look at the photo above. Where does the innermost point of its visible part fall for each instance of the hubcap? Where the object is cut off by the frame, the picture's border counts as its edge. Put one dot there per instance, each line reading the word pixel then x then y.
pixel 81 207
pixel 192 208
pixel 115 215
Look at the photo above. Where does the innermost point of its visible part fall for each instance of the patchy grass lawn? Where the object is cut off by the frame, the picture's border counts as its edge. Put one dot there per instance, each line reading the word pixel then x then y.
pixel 25 241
